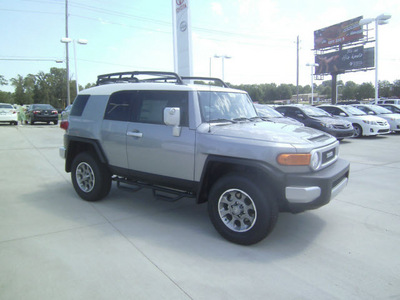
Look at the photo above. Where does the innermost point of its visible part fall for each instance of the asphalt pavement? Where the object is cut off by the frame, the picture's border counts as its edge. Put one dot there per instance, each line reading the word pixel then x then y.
pixel 53 245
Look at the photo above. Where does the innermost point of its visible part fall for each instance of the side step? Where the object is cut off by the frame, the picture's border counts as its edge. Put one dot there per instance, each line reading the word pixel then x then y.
pixel 159 192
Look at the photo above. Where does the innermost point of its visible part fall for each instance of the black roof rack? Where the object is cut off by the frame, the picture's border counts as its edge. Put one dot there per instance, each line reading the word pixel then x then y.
pixel 216 80
pixel 132 77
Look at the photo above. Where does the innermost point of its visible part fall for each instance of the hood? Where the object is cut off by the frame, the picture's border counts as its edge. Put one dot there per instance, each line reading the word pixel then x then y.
pixel 267 131
pixel 332 120
pixel 286 120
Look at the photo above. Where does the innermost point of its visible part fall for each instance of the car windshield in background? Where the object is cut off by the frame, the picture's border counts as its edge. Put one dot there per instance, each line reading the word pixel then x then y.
pixel 224 106
pixel 315 112
pixel 353 111
pixel 267 112
pixel 381 110
pixel 8 106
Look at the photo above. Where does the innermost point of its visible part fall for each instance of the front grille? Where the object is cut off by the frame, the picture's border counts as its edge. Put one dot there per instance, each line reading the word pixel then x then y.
pixel 341 126
pixel 382 123
pixel 329 155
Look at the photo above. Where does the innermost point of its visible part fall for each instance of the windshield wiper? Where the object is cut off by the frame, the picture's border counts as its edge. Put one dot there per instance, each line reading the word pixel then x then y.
pixel 221 120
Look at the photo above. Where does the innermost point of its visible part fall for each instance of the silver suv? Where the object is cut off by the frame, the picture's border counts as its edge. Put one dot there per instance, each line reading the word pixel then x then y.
pixel 184 138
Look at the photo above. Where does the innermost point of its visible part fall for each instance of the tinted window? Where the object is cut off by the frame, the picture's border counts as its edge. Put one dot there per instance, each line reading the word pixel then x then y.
pixel 119 106
pixel 79 105
pixel 152 104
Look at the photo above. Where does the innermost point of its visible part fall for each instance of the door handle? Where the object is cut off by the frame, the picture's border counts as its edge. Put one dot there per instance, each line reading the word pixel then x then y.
pixel 136 134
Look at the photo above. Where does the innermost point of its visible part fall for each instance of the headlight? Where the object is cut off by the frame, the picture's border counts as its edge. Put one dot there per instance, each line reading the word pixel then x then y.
pixel 370 122
pixel 327 125
pixel 315 161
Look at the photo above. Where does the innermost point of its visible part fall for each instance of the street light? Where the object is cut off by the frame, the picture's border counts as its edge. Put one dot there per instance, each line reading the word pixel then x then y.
pixel 223 58
pixel 312 80
pixel 337 86
pixel 379 20
pixel 81 42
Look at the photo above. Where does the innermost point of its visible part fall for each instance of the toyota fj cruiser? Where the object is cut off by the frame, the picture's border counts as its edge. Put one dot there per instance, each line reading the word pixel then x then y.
pixel 184 138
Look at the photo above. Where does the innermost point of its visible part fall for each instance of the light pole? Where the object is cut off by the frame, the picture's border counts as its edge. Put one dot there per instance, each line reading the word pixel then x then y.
pixel 337 86
pixel 81 42
pixel 379 20
pixel 223 58
pixel 312 80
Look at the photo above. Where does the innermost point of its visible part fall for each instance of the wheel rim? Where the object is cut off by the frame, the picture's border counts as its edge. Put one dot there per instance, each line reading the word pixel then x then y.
pixel 237 210
pixel 357 131
pixel 85 177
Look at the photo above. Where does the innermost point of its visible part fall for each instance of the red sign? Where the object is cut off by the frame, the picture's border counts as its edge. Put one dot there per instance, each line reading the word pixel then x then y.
pixel 342 33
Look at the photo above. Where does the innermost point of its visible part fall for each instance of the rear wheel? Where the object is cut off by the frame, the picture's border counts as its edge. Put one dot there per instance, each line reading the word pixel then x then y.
pixel 241 210
pixel 91 178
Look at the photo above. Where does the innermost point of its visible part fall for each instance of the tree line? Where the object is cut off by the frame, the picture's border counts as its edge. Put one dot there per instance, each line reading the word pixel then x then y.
pixel 51 88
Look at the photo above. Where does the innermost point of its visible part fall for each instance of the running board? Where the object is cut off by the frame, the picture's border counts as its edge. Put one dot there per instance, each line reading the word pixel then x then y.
pixel 159 192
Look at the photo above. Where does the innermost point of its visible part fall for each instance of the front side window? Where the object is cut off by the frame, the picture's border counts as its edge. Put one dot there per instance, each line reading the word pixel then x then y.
pixel 216 106
pixel 152 104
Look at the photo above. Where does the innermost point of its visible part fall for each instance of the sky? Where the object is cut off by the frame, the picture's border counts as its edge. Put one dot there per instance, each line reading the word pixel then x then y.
pixel 136 35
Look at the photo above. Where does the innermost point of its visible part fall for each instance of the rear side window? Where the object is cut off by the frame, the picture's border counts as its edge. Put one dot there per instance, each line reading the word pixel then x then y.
pixel 79 105
pixel 119 106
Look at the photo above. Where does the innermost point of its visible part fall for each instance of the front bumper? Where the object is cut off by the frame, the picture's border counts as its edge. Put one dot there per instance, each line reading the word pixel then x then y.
pixel 310 191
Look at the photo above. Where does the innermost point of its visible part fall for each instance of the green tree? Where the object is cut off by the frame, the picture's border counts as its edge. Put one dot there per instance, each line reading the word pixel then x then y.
pixel 365 91
pixel 349 90
pixel 384 89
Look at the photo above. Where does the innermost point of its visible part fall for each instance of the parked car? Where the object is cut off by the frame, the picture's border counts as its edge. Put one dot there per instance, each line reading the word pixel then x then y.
pixel 364 125
pixel 204 142
pixel 389 101
pixel 319 119
pixel 41 113
pixel 8 114
pixel 375 110
pixel 65 112
pixel 270 114
pixel 394 108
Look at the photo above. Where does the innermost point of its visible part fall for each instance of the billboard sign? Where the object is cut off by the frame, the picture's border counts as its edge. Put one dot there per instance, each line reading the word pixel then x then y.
pixel 345 60
pixel 342 33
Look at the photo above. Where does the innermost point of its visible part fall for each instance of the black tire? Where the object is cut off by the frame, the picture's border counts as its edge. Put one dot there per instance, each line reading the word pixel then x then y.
pixel 241 210
pixel 357 131
pixel 91 178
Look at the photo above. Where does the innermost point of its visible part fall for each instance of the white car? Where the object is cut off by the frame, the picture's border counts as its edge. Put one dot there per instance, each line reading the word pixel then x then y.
pixel 364 125
pixel 375 110
pixel 8 114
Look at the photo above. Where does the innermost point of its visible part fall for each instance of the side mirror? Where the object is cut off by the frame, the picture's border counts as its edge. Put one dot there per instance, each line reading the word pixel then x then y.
pixel 342 114
pixel 371 113
pixel 172 117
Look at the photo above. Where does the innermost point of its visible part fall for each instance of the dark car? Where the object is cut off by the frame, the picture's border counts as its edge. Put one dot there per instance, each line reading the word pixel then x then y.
pixel 268 113
pixel 319 119
pixel 41 113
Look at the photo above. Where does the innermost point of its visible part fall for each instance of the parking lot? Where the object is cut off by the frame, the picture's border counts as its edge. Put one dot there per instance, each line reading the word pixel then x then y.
pixel 53 245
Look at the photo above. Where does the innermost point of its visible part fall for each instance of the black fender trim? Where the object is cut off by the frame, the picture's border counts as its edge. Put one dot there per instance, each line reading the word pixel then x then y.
pixel 75 145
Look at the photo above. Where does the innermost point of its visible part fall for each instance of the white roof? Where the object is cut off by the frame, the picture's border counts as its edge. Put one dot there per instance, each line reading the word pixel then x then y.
pixel 107 89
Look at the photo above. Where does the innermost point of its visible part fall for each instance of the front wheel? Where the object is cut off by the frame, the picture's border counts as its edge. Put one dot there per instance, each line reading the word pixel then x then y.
pixel 357 130
pixel 241 210
pixel 91 178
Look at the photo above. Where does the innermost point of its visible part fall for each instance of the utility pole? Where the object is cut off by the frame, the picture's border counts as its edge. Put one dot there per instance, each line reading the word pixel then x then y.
pixel 67 54
pixel 297 77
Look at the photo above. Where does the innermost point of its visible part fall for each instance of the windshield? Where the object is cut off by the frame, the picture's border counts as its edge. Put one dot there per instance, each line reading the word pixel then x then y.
pixel 350 110
pixel 315 112
pixel 267 112
pixel 224 106
pixel 380 110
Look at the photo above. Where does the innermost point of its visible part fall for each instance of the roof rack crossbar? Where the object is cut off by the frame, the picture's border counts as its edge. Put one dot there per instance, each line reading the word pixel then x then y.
pixel 131 77
pixel 216 80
